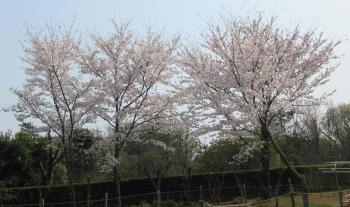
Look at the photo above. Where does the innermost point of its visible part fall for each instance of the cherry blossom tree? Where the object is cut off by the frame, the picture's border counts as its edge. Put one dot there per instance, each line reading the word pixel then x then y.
pixel 246 74
pixel 129 71
pixel 55 93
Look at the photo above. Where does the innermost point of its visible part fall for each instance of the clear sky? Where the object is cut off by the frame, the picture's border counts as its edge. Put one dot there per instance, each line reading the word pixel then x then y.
pixel 186 17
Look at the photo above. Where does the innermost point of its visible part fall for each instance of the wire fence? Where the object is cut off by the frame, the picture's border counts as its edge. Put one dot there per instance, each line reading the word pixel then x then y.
pixel 319 199
pixel 280 196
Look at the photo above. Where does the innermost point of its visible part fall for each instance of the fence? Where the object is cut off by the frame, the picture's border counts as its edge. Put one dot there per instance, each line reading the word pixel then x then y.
pixel 281 196
pixel 215 188
pixel 319 199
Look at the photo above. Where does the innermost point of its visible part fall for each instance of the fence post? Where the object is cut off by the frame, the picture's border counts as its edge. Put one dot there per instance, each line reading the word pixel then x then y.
pixel 106 200
pixel 244 193
pixel 291 192
pixel 201 201
pixel 305 195
pixel 340 197
pixel 88 192
pixel 42 202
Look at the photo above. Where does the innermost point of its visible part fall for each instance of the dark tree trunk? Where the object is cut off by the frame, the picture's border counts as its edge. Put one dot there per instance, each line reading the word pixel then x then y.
pixel 293 170
pixel 69 167
pixel 71 185
pixel 116 174
pixel 156 183
pixel 54 156
pixel 159 196
pixel 265 160
pixel 116 179
pixel 267 139
pixel 215 185
pixel 240 188
pixel 187 184
pixel 117 150
pixel 50 175
pixel 88 191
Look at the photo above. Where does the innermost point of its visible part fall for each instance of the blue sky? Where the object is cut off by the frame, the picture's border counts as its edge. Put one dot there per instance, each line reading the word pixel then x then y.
pixel 186 17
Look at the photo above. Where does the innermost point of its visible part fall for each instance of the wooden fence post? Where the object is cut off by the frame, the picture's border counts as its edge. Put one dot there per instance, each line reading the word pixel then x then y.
pixel 88 192
pixel 201 201
pixel 245 193
pixel 292 200
pixel 340 193
pixel 106 200
pixel 305 195
pixel 340 197
pixel 42 202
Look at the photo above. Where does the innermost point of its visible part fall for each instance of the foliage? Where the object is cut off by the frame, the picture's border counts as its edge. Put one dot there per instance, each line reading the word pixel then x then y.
pixel 187 148
pixel 237 200
pixel 155 152
pixel 219 156
pixel 245 83
pixel 84 156
pixel 127 70
pixel 336 124
pixel 5 194
pixel 155 155
pixel 55 94
pixel 24 157
pixel 142 204
pixel 169 203
pixel 173 184
pixel 20 157
pixel 248 73
pixel 60 174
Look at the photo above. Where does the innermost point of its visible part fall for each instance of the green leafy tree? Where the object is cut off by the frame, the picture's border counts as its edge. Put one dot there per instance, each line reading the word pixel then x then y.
pixel 186 147
pixel 84 156
pixel 220 156
pixel 336 127
pixel 20 157
pixel 154 155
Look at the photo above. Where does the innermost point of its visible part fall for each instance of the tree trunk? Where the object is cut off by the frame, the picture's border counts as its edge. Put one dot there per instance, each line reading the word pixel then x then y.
pixel 187 183
pixel 116 179
pixel 159 197
pixel 50 176
pixel 240 188
pixel 47 179
pixel 88 191
pixel 293 170
pixel 51 163
pixel 117 151
pixel 69 167
pixel 265 160
pixel 71 185
pixel 116 173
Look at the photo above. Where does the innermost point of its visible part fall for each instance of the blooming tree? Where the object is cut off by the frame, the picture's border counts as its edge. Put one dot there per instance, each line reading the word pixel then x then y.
pixel 248 73
pixel 55 93
pixel 129 71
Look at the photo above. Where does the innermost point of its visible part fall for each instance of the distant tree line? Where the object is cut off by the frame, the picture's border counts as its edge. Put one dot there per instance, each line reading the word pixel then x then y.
pixel 29 158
